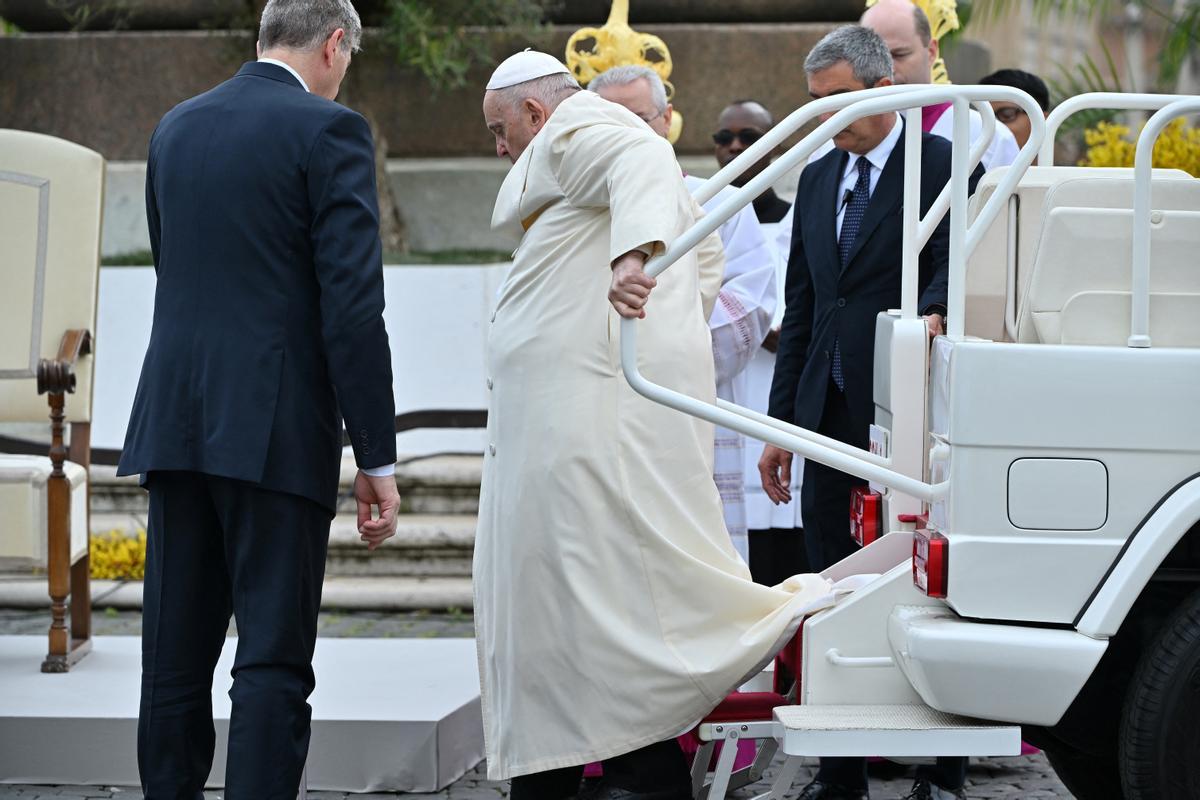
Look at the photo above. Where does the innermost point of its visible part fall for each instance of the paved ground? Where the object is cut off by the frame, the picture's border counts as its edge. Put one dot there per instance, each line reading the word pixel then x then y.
pixel 1027 777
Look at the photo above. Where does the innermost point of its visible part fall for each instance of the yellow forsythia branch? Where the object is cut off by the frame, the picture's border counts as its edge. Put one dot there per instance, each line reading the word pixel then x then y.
pixel 1109 145
pixel 117 556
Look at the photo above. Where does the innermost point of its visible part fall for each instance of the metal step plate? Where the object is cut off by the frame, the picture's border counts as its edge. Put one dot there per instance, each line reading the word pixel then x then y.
pixel 904 730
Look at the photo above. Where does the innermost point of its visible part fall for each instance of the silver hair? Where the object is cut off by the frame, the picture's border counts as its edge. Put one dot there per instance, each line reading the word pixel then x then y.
pixel 307 24
pixel 548 90
pixel 623 76
pixel 861 47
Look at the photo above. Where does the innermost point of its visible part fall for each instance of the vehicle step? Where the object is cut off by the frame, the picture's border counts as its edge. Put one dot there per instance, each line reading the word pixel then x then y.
pixel 890 730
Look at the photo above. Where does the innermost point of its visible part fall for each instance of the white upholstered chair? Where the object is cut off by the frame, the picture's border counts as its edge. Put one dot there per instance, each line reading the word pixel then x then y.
pixel 51 195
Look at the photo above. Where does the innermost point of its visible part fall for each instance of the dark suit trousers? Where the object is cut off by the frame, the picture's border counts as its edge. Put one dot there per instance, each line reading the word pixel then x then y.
pixel 825 493
pixel 825 507
pixel 219 547
pixel 654 768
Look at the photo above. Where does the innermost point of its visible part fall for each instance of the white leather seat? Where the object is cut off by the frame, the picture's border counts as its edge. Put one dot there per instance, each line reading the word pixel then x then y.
pixel 1079 290
pixel 987 270
pixel 51 196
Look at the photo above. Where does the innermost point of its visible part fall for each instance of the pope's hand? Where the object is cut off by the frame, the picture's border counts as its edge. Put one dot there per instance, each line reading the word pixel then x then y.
pixel 630 285
pixel 775 470
pixel 381 492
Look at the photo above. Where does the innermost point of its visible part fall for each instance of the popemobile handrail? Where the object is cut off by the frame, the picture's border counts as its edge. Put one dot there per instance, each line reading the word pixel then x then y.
pixel 1120 101
pixel 963 239
pixel 1139 322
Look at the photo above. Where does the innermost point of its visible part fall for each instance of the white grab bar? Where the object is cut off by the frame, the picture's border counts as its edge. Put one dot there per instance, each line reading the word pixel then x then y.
pixel 851 106
pixel 1118 101
pixel 1139 333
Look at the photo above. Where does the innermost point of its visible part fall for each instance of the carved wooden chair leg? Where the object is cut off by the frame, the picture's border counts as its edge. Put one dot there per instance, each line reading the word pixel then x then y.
pixel 56 379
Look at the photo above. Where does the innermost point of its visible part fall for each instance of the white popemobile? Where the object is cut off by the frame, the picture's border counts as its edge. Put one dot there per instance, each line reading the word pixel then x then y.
pixel 1036 473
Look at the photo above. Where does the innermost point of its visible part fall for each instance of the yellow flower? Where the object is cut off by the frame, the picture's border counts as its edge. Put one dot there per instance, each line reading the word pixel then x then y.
pixel 117 556
pixel 1110 145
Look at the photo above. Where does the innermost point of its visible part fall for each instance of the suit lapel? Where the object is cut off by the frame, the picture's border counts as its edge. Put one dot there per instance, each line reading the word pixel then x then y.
pixel 884 200
pixel 828 196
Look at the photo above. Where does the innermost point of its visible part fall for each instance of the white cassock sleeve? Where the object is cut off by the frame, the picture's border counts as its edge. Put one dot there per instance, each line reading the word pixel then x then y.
pixel 624 170
pixel 748 297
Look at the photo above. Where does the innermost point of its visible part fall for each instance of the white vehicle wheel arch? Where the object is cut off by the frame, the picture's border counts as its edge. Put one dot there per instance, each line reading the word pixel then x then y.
pixel 1144 552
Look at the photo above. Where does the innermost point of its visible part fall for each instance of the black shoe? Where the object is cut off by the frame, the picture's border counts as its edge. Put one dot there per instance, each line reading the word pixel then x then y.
pixel 924 789
pixel 604 791
pixel 819 790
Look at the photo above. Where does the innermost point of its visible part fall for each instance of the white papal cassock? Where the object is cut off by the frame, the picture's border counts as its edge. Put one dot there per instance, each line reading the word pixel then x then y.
pixel 611 610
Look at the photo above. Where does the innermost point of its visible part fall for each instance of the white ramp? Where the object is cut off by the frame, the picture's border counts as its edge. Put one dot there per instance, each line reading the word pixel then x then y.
pixel 388 714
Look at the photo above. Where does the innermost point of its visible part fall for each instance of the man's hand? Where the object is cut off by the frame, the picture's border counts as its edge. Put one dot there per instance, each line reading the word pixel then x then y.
pixel 630 285
pixel 936 325
pixel 771 343
pixel 775 470
pixel 381 492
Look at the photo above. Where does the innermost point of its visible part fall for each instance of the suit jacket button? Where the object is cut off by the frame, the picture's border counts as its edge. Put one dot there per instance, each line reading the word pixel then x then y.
pixel 841 302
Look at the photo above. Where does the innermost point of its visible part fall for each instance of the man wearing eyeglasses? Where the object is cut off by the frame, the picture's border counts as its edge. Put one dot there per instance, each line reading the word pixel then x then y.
pixel 1011 114
pixel 745 305
pixel 741 124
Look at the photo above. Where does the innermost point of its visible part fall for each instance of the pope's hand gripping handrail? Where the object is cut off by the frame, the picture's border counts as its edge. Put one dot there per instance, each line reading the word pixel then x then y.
pixel 849 108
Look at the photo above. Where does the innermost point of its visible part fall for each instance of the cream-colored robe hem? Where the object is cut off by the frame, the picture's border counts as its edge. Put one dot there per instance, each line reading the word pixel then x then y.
pixel 611 609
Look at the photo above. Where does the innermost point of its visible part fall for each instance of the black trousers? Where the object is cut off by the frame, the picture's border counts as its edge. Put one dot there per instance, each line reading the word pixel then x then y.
pixel 655 768
pixel 777 554
pixel 825 493
pixel 825 507
pixel 219 547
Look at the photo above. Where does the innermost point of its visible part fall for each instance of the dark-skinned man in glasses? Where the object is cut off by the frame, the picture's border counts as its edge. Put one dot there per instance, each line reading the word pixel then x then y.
pixel 741 124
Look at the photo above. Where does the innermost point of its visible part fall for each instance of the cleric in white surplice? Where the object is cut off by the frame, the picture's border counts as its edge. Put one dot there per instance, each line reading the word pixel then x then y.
pixel 611 610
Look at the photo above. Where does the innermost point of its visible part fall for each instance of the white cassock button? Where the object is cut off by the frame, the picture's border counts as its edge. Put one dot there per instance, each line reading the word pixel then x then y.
pixel 492 449
pixel 489 384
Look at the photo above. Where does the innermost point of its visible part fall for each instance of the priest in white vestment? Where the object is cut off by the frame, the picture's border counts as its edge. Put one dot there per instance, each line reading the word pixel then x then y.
pixel 745 304
pixel 611 609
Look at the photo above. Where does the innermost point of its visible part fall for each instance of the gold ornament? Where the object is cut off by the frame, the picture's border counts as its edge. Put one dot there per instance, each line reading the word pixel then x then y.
pixel 591 51
pixel 943 18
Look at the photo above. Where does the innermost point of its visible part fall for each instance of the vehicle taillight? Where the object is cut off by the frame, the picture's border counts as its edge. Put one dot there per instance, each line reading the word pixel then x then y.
pixel 931 562
pixel 866 515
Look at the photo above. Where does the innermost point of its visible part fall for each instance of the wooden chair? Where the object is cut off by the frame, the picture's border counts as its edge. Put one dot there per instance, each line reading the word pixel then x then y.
pixel 51 195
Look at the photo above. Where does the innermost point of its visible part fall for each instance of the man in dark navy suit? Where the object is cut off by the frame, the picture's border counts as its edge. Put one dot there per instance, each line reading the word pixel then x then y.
pixel 843 269
pixel 268 333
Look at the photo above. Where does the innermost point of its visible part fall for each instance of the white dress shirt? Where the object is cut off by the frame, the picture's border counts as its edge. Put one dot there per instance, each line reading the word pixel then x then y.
pixel 878 158
pixel 288 67
pixel 386 469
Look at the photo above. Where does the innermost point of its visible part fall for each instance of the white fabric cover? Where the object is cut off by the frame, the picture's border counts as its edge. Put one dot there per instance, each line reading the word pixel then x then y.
pixel 51 195
pixel 24 509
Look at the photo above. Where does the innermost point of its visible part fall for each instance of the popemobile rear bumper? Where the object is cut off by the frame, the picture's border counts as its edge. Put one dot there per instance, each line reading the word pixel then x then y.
pixel 998 672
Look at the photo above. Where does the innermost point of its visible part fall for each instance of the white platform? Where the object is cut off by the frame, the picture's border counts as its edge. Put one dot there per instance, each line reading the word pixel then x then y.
pixel 388 714
pixel 900 731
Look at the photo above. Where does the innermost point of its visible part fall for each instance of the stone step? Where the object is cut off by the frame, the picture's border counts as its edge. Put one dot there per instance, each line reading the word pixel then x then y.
pixel 425 545
pixel 338 593
pixel 435 485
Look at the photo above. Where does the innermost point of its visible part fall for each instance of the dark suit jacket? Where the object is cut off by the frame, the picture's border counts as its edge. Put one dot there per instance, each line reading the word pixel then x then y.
pixel 268 326
pixel 826 303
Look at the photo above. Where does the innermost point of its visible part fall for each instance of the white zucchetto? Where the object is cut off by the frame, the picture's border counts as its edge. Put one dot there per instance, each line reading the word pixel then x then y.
pixel 525 66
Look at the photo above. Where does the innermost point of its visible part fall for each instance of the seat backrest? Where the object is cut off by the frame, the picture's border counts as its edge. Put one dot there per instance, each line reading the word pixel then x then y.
pixel 987 270
pixel 1079 290
pixel 51 197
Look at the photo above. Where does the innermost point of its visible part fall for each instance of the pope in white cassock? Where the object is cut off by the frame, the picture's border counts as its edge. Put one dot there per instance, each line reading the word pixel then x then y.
pixel 611 609
pixel 746 302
